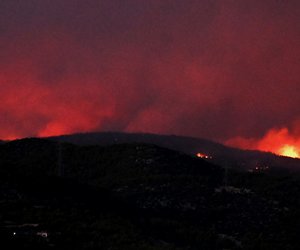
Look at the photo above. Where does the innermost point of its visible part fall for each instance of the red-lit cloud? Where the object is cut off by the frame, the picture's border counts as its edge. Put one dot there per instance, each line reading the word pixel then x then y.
pixel 214 69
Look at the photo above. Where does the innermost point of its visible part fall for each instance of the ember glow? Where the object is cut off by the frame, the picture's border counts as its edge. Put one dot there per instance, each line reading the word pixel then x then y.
pixel 219 70
pixel 203 156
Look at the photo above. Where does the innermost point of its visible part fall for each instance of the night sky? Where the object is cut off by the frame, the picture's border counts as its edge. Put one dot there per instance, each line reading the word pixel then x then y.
pixel 225 70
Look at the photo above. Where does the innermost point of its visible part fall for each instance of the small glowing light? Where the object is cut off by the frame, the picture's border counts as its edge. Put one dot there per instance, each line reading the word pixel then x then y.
pixel 42 234
pixel 290 151
pixel 203 156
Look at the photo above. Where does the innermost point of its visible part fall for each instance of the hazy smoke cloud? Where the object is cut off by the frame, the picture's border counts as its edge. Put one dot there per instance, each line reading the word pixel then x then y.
pixel 214 69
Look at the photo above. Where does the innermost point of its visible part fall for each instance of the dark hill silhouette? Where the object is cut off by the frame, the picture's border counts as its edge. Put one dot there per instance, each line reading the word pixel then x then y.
pixel 221 155
pixel 138 196
pixel 40 156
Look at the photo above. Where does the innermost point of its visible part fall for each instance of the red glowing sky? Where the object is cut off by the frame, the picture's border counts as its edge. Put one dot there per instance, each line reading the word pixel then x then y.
pixel 221 69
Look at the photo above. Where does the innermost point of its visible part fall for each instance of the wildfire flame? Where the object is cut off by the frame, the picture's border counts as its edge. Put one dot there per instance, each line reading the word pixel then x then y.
pixel 279 141
pixel 203 156
pixel 290 151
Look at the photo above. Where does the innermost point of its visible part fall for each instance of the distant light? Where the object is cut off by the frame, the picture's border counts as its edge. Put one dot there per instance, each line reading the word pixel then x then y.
pixel 42 234
pixel 260 168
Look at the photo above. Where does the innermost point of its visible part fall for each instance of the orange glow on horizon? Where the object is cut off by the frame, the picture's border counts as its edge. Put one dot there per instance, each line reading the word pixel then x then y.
pixel 278 141
pixel 290 151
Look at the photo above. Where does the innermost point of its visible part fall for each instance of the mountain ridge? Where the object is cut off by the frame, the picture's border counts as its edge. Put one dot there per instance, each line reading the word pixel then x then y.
pixel 221 154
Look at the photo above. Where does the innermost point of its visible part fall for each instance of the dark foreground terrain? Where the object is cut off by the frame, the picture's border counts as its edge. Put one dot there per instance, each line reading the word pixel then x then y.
pixel 139 196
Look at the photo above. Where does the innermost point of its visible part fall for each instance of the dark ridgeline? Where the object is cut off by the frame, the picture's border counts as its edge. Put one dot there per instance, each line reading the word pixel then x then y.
pixel 222 155
pixel 139 196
